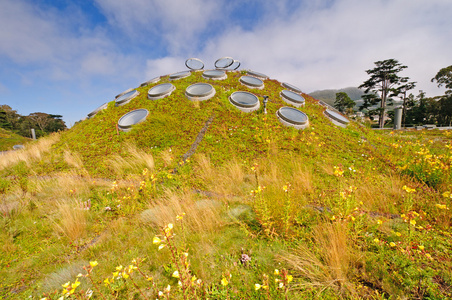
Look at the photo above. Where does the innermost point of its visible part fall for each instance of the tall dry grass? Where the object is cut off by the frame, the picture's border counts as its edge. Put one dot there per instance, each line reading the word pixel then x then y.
pixel 200 215
pixel 328 264
pixel 136 160
pixel 31 153
pixel 71 219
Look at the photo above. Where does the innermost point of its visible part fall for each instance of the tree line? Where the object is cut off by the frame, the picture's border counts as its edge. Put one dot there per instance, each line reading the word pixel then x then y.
pixel 42 123
pixel 384 86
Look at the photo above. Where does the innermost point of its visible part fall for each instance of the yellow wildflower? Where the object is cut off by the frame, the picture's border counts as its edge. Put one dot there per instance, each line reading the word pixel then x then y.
pixel 276 272
pixel 93 263
pixel 257 286
pixel 392 244
pixel 413 222
pixel 421 247
pixel 289 278
pixel 379 222
pixel 224 282
pixel 376 240
pixel 176 274
pixel 156 240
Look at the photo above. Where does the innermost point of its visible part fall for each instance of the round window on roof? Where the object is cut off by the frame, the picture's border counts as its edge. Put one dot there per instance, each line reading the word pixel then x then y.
pixel 336 118
pixel 257 74
pixel 153 80
pixel 252 82
pixel 293 117
pixel 134 117
pixel 244 101
pixel 125 98
pixel 161 91
pixel 200 91
pixel 179 75
pixel 214 74
pixel 194 64
pixel 224 62
pixel 94 112
pixel 292 98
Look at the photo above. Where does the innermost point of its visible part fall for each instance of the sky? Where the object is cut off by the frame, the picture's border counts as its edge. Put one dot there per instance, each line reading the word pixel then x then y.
pixel 68 57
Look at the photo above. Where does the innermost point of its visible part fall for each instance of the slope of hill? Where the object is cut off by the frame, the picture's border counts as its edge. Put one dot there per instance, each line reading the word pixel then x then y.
pixel 9 139
pixel 202 200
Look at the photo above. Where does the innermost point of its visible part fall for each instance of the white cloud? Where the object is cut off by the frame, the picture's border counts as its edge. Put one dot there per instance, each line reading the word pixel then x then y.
pixel 177 21
pixel 332 46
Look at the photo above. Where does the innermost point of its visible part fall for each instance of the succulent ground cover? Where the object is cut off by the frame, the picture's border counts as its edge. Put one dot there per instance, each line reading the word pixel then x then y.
pixel 260 211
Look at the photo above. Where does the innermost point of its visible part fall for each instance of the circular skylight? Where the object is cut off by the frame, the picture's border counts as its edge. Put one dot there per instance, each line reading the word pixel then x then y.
pixel 235 65
pixel 94 112
pixel 214 74
pixel 125 92
pixel 224 62
pixel 293 117
pixel 132 118
pixel 153 80
pixel 252 82
pixel 244 101
pixel 337 118
pixel 292 98
pixel 200 91
pixel 160 91
pixel 179 75
pixel 18 147
pixel 291 87
pixel 124 99
pixel 194 64
pixel 257 74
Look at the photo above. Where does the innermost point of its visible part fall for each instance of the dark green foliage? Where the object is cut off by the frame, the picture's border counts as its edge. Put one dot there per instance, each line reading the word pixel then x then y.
pixel 343 103
pixel 383 79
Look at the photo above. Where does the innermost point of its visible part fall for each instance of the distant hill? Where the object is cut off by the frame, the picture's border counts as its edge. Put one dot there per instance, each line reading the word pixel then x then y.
pixel 329 96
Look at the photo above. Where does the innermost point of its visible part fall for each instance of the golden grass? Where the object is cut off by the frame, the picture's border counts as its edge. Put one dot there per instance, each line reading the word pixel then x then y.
pixel 328 264
pixel 136 160
pixel 200 216
pixel 72 219
pixel 32 152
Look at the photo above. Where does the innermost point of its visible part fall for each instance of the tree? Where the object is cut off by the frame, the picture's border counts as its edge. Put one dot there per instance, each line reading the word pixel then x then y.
pixel 444 77
pixel 343 102
pixel 383 79
pixel 400 92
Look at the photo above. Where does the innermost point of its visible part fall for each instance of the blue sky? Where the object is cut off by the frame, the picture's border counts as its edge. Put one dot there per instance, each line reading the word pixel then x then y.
pixel 69 57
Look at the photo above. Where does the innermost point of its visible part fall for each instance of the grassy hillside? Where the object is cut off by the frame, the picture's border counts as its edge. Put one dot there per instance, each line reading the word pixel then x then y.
pixel 8 139
pixel 259 211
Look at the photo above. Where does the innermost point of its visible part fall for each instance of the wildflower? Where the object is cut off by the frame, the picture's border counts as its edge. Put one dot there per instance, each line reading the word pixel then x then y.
pixel 428 255
pixel 376 240
pixel 176 274
pixel 408 189
pixel 168 288
pixel 379 222
pixel 119 268
pixel 285 188
pixel 89 293
pixel 392 244
pixel 149 278
pixel 413 222
pixel 180 217
pixel 156 240
pixel 224 282
pixel 421 247
pixel 161 294
pixel 398 233
pixel 161 246
pixel 107 281
pixel 441 206
pixel 447 195
pixel 257 286
pixel 276 272
pixel 289 278
pixel 93 263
